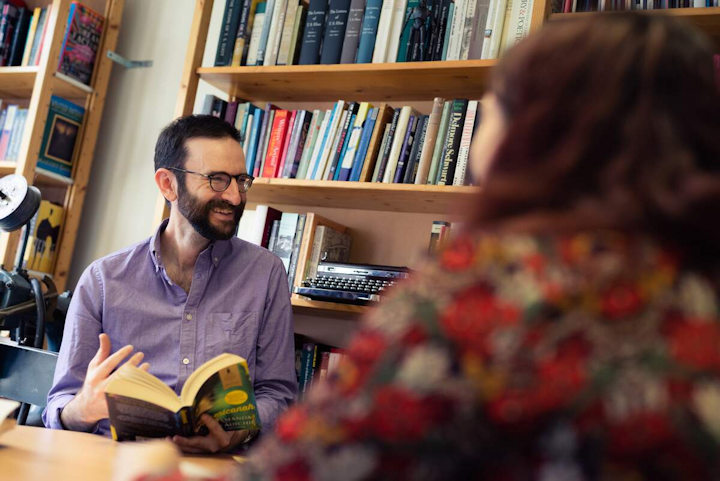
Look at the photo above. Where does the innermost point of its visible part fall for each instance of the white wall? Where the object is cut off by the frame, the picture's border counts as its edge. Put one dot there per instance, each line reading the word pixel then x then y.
pixel 121 193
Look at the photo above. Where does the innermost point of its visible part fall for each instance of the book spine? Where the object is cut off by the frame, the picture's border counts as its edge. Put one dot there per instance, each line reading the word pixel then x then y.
pixel 493 29
pixel 406 30
pixel 328 139
pixel 334 31
pixel 261 140
pixel 362 150
pixel 352 31
pixel 286 143
pixel 292 146
pixel 283 55
pixel 439 143
pixel 228 32
pixel 297 242
pixel 383 31
pixel 313 33
pixel 465 140
pixel 428 146
pixel 275 32
pixel 368 31
pixel 414 159
pixel 265 34
pixel 452 141
pixel 448 27
pixel 242 39
pixel 343 173
pixel 258 115
pixel 300 16
pixel 274 150
pixel 398 137
pixel 478 29
pixel 384 153
pixel 256 33
pixel 396 24
pixel 344 139
pixel 17 45
pixel 405 151
pixel 316 122
pixel 332 147
pixel 301 143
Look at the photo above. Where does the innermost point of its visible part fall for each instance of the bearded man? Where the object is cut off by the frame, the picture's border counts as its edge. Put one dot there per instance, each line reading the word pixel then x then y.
pixel 188 293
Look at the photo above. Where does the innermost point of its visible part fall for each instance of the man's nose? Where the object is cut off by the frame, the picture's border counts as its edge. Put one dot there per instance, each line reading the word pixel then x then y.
pixel 232 194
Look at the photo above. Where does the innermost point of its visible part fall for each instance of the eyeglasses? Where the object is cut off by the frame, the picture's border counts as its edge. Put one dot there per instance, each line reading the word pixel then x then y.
pixel 220 181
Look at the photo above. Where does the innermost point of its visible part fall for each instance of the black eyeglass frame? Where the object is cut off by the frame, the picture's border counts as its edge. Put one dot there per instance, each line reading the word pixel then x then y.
pixel 244 181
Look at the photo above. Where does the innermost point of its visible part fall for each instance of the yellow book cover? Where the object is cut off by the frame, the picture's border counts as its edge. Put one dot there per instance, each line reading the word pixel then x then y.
pixel 45 228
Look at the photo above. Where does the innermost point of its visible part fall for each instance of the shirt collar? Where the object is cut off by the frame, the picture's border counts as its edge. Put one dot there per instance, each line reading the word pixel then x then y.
pixel 216 249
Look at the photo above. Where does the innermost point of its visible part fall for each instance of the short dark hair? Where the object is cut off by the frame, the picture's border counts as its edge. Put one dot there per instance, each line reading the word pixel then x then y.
pixel 613 121
pixel 170 150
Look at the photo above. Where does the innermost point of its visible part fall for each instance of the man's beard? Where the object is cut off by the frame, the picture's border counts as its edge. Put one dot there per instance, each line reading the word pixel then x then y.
pixel 199 215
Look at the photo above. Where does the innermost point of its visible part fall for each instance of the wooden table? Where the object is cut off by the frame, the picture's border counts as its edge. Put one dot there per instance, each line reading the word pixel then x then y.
pixel 30 453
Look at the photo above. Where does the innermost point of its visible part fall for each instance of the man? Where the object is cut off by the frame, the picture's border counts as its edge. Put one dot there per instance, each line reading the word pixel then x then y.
pixel 190 292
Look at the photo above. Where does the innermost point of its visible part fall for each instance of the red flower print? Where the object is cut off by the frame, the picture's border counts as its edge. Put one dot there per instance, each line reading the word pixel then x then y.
pixel 639 433
pixel 536 263
pixel 291 424
pixel 366 347
pixel 696 343
pixel 294 471
pixel 621 301
pixel 473 317
pixel 399 415
pixel 459 255
pixel 414 335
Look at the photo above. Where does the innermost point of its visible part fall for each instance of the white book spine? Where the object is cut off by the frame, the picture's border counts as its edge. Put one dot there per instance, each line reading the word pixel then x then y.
pixel 493 29
pixel 465 140
pixel 273 43
pixel 317 149
pixel 255 38
pixel 456 30
pixel 518 25
pixel 255 235
pixel 333 148
pixel 332 131
pixel 248 134
pixel 383 31
pixel 396 27
pixel 467 32
pixel 287 32
pixel 397 142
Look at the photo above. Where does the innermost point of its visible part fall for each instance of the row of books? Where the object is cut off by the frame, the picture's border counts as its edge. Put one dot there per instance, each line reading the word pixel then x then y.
pixel 314 362
pixel 355 141
pixel 12 126
pixel 568 6
pixel 23 37
pixel 281 32
pixel 57 149
pixel 301 241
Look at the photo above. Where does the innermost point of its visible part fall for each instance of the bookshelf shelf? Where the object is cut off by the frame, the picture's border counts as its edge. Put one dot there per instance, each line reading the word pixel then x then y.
pixel 302 304
pixel 365 195
pixel 19 82
pixel 387 81
pixel 706 19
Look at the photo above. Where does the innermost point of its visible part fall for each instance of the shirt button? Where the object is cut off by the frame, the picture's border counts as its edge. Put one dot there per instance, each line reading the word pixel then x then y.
pixel 188 317
pixel 186 361
pixel 215 259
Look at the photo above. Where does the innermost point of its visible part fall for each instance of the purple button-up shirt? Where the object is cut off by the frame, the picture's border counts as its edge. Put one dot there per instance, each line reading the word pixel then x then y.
pixel 238 303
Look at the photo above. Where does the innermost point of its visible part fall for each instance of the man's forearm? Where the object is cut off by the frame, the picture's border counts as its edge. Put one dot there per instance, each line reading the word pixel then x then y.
pixel 73 419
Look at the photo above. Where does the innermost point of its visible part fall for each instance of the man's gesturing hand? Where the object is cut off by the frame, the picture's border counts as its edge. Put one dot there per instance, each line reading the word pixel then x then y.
pixel 89 405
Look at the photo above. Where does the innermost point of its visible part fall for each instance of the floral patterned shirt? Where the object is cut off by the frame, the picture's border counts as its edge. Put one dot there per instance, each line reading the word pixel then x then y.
pixel 511 357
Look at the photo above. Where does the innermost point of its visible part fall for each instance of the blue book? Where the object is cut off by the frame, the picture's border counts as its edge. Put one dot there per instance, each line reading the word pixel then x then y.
pixel 368 31
pixel 62 126
pixel 262 46
pixel 254 136
pixel 368 126
pixel 313 33
pixel 405 151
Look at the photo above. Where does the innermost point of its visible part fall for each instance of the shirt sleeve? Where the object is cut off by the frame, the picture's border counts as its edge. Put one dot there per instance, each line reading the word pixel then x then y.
pixel 83 325
pixel 275 381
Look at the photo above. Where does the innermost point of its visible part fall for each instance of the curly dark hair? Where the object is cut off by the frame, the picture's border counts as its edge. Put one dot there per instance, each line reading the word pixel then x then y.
pixel 613 121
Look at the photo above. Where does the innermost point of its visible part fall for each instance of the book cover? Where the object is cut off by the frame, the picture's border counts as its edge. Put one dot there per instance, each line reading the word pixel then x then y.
pixel 328 245
pixel 286 143
pixel 343 139
pixel 80 44
pixel 333 147
pixel 465 141
pixel 313 33
pixel 398 141
pixel 45 228
pixel 37 12
pixel 297 242
pixel 265 33
pixel 261 229
pixel 228 33
pixel 41 36
pixel 318 119
pixel 275 33
pixel 346 162
pixel 390 149
pixel 448 24
pixel 141 405
pixel 368 31
pixel 414 157
pixel 305 267
pixel 253 139
pixel 300 15
pixel 478 29
pixel 334 31
pixel 352 31
pixel 6 129
pixel 62 128
pixel 283 57
pixel 19 37
pixel 404 157
pixel 298 144
pixel 286 235
pixel 396 25
pixel 439 143
pixel 380 52
pixel 493 29
pixel 406 31
pixel 292 143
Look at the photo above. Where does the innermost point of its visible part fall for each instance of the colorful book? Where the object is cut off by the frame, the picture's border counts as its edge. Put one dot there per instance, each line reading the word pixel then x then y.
pixel 45 229
pixel 62 129
pixel 80 44
pixel 141 405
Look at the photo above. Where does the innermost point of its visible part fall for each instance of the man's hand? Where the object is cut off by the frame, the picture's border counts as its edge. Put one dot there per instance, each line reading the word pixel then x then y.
pixel 217 440
pixel 89 405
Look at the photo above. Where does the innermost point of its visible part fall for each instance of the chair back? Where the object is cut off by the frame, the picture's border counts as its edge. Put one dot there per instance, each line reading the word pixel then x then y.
pixel 26 373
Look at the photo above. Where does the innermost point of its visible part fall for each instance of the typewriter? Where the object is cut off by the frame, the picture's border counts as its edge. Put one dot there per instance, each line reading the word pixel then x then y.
pixel 350 283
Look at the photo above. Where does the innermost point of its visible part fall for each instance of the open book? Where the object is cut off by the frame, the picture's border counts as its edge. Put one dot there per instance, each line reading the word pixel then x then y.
pixel 141 405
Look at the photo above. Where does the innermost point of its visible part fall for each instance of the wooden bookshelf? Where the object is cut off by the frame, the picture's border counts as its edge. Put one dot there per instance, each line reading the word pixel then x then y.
pixel 387 81
pixel 32 87
pixel 304 305
pixel 436 199
pixel 706 19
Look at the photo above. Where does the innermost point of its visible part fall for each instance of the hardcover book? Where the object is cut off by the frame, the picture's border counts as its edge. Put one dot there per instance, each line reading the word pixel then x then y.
pixel 334 31
pixel 81 42
pixel 141 405
pixel 62 128
pixel 313 33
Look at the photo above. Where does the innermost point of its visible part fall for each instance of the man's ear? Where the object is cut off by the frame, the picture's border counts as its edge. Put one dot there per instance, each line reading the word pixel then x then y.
pixel 167 183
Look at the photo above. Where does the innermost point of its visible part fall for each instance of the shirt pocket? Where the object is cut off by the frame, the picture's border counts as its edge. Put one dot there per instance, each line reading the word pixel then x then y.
pixel 233 332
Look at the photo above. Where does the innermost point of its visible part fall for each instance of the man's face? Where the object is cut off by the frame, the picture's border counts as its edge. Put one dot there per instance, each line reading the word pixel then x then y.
pixel 213 215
